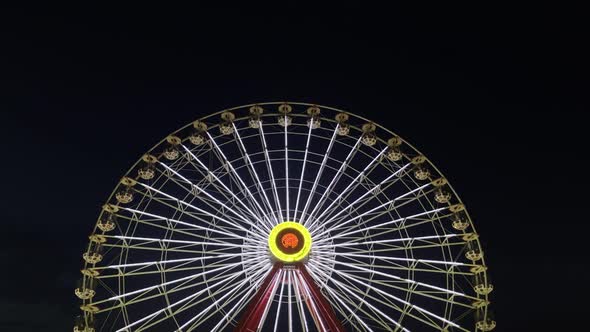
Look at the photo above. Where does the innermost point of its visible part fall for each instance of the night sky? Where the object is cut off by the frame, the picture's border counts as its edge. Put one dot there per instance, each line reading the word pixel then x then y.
pixel 493 96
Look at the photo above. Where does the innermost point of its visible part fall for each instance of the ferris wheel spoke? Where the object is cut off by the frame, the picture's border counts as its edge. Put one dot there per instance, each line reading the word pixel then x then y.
pixel 289 305
pixel 371 269
pixel 135 219
pixel 321 266
pixel 388 250
pixel 302 174
pixel 232 313
pixel 276 320
pixel 160 267
pixel 365 303
pixel 228 190
pixel 242 297
pixel 369 283
pixel 299 300
pixel 209 184
pixel 190 277
pixel 310 301
pixel 217 281
pixel 406 303
pixel 333 182
pixel 393 286
pixel 425 239
pixel 190 243
pixel 161 248
pixel 367 193
pixel 390 222
pixel 322 269
pixel 405 280
pixel 193 215
pixel 169 261
pixel 255 313
pixel 425 267
pixel 246 208
pixel 202 190
pixel 242 187
pixel 386 244
pixel 332 303
pixel 404 224
pixel 311 195
pixel 272 296
pixel 270 171
pixel 402 259
pixel 352 289
pixel 286 172
pixel 257 178
pixel 144 243
pixel 334 214
pixel 241 181
pixel 415 268
pixel 227 291
pixel 334 294
pixel 390 207
pixel 166 292
pixel 253 282
pixel 161 270
pixel 237 226
pixel 417 247
pixel 315 307
pixel 213 229
pixel 353 182
pixel 390 204
pixel 151 320
pixel 356 325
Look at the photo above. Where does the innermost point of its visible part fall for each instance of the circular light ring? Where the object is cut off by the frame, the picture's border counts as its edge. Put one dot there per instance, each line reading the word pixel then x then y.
pixel 298 242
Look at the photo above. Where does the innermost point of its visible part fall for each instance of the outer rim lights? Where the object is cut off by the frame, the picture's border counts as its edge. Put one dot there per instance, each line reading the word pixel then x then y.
pixel 289 254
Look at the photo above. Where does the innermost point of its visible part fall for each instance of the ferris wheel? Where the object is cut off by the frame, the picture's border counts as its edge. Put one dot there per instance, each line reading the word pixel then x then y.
pixel 284 217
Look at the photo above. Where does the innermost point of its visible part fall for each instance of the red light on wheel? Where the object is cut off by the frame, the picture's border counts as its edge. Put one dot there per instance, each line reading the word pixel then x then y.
pixel 289 240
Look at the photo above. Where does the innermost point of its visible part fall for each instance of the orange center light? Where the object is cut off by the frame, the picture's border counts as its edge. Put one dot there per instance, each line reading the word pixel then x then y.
pixel 289 240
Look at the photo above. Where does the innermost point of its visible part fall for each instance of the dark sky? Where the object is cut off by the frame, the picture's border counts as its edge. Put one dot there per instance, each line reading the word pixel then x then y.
pixel 494 96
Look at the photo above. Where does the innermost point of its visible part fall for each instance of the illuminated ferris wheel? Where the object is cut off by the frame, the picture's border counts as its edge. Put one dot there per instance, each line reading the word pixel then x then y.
pixel 284 217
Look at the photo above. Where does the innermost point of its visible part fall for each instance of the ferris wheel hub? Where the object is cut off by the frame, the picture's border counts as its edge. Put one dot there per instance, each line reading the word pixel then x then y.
pixel 289 242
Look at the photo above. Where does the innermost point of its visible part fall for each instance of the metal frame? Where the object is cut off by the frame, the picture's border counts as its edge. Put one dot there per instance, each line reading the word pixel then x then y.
pixel 190 249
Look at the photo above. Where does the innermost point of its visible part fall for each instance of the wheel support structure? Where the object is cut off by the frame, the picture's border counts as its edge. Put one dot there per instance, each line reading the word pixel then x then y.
pixel 324 316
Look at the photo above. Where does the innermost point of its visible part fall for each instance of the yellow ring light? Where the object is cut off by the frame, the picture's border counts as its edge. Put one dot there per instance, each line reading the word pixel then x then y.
pixel 289 242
